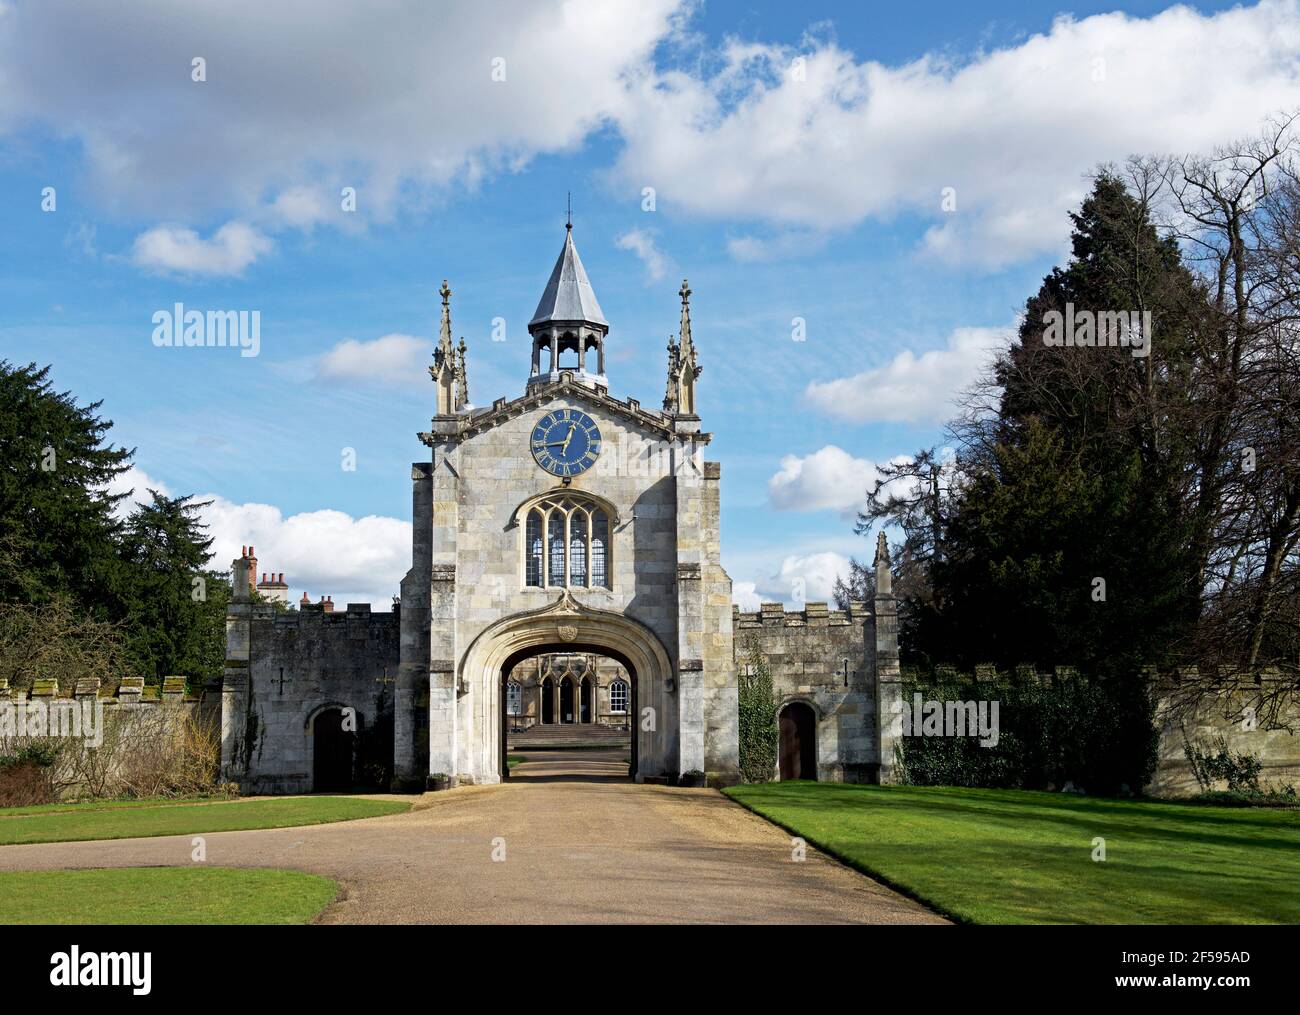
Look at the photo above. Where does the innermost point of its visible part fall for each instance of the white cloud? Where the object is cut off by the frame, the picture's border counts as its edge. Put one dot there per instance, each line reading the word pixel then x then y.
pixel 642 243
pixel 828 479
pixel 299 207
pixel 792 243
pixel 231 249
pixel 360 560
pixel 1011 130
pixel 801 579
pixel 912 388
pixel 391 359
pixel 412 103
pixel 137 483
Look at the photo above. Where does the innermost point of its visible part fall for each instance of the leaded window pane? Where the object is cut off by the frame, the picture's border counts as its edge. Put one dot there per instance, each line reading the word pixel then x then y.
pixel 555 539
pixel 533 543
pixel 599 544
pixel 578 548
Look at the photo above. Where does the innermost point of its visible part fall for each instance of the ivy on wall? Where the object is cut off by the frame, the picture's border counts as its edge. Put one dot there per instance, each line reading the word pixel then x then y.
pixel 759 733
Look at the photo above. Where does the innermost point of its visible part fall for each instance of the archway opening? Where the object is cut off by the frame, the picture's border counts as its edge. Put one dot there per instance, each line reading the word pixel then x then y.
pixel 798 758
pixel 566 701
pixel 547 710
pixel 575 710
pixel 332 752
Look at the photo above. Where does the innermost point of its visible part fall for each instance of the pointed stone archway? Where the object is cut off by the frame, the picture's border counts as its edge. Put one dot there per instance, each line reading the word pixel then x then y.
pixel 565 625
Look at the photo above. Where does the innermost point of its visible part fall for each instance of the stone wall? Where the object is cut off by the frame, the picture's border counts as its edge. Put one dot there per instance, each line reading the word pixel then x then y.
pixel 283 670
pixel 1223 713
pixel 821 657
pixel 113 730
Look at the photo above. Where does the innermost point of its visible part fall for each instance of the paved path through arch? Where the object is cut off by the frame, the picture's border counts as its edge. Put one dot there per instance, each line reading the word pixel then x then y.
pixel 578 850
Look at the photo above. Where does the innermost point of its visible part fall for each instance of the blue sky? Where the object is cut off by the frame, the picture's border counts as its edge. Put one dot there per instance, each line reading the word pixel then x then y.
pixel 799 156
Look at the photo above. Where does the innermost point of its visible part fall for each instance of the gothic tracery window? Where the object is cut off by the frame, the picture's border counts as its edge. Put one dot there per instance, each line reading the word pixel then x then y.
pixel 566 544
pixel 618 696
pixel 514 698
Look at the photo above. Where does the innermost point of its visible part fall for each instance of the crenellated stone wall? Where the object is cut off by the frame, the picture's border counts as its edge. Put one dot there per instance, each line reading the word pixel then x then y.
pixel 284 670
pixel 824 658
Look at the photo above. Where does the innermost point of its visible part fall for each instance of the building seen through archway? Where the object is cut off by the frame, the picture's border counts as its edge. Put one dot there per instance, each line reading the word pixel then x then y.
pixel 568 700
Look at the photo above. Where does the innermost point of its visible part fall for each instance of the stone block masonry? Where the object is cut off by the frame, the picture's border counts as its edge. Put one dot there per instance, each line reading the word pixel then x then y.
pixel 299 667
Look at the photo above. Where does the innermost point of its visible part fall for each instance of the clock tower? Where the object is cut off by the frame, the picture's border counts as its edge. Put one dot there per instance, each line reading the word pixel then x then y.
pixel 565 520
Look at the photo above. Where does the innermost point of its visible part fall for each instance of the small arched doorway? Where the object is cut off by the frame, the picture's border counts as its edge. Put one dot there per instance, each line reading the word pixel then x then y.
pixel 798 742
pixel 332 748
pixel 566 700
pixel 548 701
pixel 584 705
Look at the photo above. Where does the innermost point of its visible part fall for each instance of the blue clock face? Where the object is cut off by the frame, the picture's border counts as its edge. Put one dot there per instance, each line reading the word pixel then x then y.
pixel 565 442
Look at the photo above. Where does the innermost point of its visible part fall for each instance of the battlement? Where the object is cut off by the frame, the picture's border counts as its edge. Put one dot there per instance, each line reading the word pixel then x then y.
pixel 812 615
pixel 127 693
pixel 318 615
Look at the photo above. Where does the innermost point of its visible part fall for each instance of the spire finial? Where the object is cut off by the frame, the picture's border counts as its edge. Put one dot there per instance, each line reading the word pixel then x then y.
pixel 882 549
pixel 448 371
pixel 568 207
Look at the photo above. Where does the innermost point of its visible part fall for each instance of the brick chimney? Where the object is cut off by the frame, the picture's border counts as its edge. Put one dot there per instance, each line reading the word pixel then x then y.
pixel 252 569
pixel 305 600
pixel 327 604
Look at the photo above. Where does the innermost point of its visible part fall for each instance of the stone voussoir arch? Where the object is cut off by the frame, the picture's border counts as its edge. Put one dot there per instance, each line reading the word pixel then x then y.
pixel 565 622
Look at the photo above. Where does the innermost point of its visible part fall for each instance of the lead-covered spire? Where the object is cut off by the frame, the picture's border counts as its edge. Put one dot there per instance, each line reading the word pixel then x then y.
pixel 569 320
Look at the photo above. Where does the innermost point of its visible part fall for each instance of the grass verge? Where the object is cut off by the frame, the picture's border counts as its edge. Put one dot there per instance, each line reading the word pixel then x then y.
pixel 1017 856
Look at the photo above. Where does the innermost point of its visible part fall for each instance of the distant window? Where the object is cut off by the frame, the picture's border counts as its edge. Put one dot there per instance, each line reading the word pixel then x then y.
pixel 514 698
pixel 618 692
pixel 566 544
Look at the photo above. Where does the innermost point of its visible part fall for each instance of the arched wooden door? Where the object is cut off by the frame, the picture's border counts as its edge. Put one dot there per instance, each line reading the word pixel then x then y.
pixel 798 742
pixel 331 753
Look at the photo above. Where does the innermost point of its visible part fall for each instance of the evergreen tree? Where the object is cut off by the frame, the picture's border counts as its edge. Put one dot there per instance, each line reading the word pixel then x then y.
pixel 55 509
pixel 1076 479
pixel 175 609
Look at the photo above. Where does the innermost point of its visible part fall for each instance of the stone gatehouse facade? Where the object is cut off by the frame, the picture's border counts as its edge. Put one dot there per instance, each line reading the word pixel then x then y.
pixel 562 524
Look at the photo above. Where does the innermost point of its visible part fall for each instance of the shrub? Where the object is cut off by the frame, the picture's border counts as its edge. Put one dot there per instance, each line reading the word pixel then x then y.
pixel 27 775
pixel 1215 762
pixel 1098 735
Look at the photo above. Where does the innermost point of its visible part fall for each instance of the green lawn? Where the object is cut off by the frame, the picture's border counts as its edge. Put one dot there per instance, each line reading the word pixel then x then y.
pixel 163 895
pixel 515 759
pixel 1012 856
pixel 139 818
